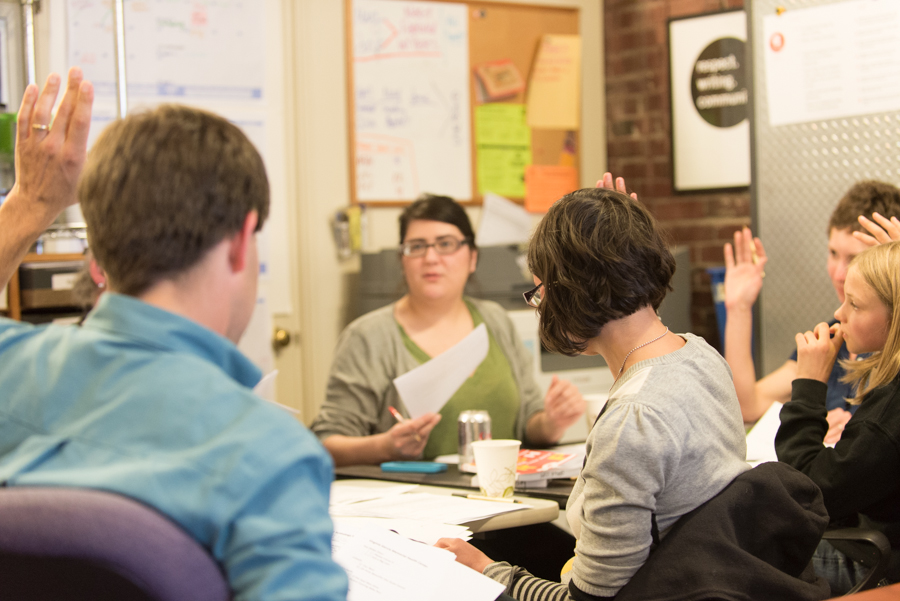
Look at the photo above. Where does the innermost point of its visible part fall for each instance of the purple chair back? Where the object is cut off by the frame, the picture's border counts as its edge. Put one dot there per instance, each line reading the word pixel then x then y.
pixel 68 543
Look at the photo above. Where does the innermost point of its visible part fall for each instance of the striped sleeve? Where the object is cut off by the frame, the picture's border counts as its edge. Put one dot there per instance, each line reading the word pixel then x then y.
pixel 521 585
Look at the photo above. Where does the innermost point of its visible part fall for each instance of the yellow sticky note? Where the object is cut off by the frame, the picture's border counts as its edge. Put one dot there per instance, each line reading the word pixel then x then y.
pixel 554 87
pixel 503 148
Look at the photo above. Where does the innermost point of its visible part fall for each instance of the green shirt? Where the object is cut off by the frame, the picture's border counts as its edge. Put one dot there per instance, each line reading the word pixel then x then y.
pixel 491 387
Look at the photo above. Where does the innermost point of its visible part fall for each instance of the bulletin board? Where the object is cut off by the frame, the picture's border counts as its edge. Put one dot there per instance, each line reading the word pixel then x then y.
pixel 811 141
pixel 495 32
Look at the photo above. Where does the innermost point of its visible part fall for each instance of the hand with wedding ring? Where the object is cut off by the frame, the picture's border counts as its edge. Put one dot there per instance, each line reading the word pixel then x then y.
pixel 48 163
pixel 49 160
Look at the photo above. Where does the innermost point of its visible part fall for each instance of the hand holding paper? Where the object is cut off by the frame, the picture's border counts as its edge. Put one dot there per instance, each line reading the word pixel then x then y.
pixel 428 387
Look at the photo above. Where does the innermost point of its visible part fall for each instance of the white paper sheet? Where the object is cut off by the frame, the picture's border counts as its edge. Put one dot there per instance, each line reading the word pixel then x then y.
pixel 343 493
pixel 502 222
pixel 426 388
pixel 383 566
pixel 761 437
pixel 444 509
pixel 421 531
pixel 832 61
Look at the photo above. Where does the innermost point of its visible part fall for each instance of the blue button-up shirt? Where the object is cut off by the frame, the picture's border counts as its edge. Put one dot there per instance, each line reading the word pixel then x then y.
pixel 151 405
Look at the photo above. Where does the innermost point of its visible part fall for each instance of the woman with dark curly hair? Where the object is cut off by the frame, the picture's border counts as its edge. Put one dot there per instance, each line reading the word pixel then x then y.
pixel 670 437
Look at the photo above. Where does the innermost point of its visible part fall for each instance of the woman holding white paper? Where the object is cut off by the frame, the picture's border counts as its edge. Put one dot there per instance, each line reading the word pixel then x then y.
pixel 438 253
pixel 670 436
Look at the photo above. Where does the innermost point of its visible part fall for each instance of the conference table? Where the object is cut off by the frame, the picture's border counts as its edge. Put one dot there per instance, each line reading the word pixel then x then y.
pixel 557 490
pixel 532 511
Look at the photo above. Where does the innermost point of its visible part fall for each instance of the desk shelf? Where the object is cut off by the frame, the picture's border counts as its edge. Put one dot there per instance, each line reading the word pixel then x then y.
pixel 14 298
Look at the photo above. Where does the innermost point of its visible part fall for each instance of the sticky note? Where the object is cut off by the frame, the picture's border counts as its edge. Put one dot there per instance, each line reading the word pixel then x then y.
pixel 545 184
pixel 554 87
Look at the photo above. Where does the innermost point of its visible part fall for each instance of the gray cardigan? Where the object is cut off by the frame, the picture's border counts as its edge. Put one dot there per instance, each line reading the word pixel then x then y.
pixel 670 439
pixel 371 353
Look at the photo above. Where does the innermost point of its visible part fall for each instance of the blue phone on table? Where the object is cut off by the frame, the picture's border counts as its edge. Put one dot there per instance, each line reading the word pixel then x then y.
pixel 415 467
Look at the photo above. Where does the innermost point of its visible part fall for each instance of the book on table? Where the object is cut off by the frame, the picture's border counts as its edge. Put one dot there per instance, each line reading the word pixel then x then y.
pixel 535 468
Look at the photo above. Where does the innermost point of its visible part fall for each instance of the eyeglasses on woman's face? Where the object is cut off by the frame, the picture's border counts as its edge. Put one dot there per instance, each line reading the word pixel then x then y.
pixel 444 245
pixel 533 297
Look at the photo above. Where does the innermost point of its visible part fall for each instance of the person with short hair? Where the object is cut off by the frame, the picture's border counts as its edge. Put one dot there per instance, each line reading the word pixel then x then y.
pixel 745 263
pixel 858 477
pixel 438 253
pixel 150 398
pixel 670 436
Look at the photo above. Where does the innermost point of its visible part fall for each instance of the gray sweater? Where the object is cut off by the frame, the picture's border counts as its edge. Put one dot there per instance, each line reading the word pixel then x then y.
pixel 670 439
pixel 371 353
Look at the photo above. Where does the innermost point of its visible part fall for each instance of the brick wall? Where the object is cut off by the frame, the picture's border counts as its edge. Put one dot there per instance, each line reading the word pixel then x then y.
pixel 639 138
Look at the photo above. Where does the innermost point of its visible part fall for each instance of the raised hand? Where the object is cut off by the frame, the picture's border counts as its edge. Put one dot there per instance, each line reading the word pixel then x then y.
pixel 607 182
pixel 881 228
pixel 745 264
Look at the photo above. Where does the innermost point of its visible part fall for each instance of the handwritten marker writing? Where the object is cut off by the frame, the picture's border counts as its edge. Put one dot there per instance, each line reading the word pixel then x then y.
pixel 400 420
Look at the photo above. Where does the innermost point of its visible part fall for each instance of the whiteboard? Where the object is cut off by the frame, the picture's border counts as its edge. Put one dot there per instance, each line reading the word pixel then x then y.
pixel 410 88
pixel 224 57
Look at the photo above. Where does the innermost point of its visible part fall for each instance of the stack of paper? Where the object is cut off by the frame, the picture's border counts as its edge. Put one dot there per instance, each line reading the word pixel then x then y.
pixel 348 493
pixel 422 506
pixel 383 566
pixel 420 531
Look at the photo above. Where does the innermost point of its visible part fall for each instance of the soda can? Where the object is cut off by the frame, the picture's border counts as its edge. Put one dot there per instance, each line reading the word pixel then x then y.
pixel 473 425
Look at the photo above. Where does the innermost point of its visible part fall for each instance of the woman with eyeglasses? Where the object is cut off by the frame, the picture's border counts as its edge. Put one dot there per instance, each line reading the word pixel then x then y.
pixel 438 253
pixel 670 436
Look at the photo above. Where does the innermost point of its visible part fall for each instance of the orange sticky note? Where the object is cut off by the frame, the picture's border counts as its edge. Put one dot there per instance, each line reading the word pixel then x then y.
pixel 545 184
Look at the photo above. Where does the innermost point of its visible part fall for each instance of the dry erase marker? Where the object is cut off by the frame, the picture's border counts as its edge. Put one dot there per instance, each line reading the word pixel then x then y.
pixel 400 419
pixel 475 497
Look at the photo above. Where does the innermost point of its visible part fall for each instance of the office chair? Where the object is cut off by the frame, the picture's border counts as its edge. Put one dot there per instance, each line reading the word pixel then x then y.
pixel 871 548
pixel 79 544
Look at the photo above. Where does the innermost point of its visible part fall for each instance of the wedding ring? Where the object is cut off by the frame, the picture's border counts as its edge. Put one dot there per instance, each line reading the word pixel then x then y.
pixel 40 126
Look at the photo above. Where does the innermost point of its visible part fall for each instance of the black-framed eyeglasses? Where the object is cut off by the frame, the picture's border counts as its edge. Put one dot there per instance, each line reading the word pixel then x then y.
pixel 445 245
pixel 533 297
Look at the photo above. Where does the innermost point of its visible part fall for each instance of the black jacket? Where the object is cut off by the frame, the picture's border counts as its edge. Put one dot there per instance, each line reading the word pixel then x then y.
pixel 752 541
pixel 860 476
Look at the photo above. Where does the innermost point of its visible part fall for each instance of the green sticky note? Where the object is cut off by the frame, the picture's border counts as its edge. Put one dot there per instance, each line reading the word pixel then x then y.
pixel 502 170
pixel 503 147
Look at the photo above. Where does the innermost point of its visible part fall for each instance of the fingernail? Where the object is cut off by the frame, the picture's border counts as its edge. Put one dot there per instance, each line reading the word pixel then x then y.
pixel 53 79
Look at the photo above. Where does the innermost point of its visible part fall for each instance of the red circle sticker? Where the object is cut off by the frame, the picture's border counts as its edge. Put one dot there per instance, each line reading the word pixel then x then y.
pixel 776 42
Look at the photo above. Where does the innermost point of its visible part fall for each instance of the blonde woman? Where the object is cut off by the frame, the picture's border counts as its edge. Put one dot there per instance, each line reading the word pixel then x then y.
pixel 860 476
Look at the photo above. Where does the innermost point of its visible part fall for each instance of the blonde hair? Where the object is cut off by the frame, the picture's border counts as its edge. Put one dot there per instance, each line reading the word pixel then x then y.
pixel 880 268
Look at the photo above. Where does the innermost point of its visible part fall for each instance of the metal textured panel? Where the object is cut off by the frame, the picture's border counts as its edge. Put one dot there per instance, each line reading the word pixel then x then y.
pixel 800 172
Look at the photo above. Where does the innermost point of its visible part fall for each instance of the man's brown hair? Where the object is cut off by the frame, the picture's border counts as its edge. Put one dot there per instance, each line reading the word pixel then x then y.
pixel 864 198
pixel 601 256
pixel 161 188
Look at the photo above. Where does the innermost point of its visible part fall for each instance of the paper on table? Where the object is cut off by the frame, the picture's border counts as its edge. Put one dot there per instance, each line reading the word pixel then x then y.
pixel 422 506
pixel 347 493
pixel 502 222
pixel 426 388
pixel 761 437
pixel 554 89
pixel 422 531
pixel 545 184
pixel 383 566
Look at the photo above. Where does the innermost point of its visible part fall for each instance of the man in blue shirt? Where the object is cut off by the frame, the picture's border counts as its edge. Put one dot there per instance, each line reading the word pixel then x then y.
pixel 151 398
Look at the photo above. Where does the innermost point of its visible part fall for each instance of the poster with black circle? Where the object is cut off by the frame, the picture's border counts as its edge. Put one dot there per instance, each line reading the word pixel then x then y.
pixel 710 94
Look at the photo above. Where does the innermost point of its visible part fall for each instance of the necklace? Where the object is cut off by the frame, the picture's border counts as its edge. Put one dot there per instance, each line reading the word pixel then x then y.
pixel 634 349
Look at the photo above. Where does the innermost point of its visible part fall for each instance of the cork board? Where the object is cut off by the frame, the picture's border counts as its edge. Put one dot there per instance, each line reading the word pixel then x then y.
pixel 496 31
